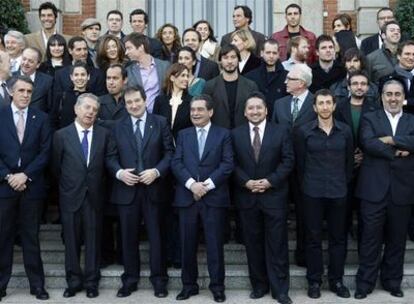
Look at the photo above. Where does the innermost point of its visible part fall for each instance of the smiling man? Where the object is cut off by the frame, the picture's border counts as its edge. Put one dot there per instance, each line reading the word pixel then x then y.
pixel 48 14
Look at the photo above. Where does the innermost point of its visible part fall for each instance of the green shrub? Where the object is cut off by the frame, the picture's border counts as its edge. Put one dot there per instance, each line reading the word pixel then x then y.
pixel 404 13
pixel 12 15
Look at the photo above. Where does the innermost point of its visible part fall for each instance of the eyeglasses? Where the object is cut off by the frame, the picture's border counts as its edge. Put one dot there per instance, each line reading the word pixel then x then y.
pixel 292 79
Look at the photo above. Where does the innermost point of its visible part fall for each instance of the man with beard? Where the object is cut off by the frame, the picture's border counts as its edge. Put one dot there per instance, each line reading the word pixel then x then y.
pixel 270 76
pixel 299 52
pixel 354 61
pixel 229 90
pixel 326 70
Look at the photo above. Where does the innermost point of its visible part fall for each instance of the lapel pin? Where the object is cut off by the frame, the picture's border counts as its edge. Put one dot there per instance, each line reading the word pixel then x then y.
pixel 34 116
pixel 151 127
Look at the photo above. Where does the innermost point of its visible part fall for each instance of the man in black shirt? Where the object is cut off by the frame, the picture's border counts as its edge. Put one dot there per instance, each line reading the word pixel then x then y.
pixel 229 90
pixel 324 154
pixel 326 70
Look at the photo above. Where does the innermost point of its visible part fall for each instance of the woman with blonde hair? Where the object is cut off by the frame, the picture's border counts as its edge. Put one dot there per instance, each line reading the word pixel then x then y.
pixel 244 41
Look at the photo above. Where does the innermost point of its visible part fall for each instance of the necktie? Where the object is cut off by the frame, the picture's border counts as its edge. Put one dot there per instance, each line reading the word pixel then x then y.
pixel 256 143
pixel 20 126
pixel 5 94
pixel 201 141
pixel 85 144
pixel 138 136
pixel 295 110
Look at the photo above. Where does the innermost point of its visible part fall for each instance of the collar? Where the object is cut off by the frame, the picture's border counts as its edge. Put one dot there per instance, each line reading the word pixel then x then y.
pixel 335 125
pixel 206 127
pixel 302 96
pixel 15 109
pixel 390 117
pixel 80 129
pixel 261 126
pixel 32 76
pixel 135 119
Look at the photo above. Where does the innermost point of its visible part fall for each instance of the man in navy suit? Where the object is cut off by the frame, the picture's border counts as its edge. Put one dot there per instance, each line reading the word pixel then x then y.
pixel 4 76
pixel 145 148
pixel 202 165
pixel 263 161
pixel 385 187
pixel 24 153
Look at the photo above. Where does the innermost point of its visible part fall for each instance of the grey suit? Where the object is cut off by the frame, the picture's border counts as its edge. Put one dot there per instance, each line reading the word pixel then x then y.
pixel 217 90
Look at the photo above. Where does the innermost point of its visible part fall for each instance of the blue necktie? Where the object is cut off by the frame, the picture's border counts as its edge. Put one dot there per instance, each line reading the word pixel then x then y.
pixel 85 144
pixel 138 136
pixel 201 141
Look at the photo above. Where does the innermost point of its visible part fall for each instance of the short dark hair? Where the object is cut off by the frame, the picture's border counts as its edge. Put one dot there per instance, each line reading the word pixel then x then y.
pixel 357 73
pixel 190 29
pixel 79 64
pixel 354 53
pixel 323 92
pixel 383 9
pixel 207 98
pixel 227 49
pixel 210 29
pixel 116 12
pixel 60 40
pixel 23 78
pixel 138 39
pixel 139 11
pixel 293 5
pixel 74 39
pixel 135 88
pixel 124 73
pixel 256 94
pixel 270 41
pixel 48 5
pixel 247 12
pixel 402 45
pixel 323 38
pixel 385 26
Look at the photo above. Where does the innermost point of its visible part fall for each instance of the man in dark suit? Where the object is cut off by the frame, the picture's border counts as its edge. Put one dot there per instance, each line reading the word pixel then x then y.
pixel 80 152
pixel 42 90
pixel 270 76
pixel 374 42
pixel 202 164
pixel 139 20
pixel 295 110
pixel 114 22
pixel 242 18
pixel 5 98
pixel 386 191
pixel 145 70
pixel 229 90
pixel 263 161
pixel 26 142
pixel 205 68
pixel 145 149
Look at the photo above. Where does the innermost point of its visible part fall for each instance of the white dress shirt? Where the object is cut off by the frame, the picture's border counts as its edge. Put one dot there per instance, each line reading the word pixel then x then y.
pixel 261 127
pixel 80 130
pixel 301 100
pixel 393 120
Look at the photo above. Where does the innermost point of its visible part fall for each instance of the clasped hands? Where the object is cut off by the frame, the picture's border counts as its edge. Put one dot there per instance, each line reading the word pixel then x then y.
pixel 199 189
pixel 18 181
pixel 146 177
pixel 258 185
pixel 388 140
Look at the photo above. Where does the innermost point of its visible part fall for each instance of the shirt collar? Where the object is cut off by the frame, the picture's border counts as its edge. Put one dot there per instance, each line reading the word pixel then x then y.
pixel 302 96
pixel 32 76
pixel 80 129
pixel 143 118
pixel 15 109
pixel 261 126
pixel 206 127
pixel 395 117
pixel 315 125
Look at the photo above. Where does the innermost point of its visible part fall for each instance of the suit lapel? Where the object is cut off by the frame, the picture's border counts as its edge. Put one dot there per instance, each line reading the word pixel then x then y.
pixel 29 125
pixel 209 142
pixel 287 109
pixel 128 130
pixel 76 144
pixel 10 123
pixel 246 140
pixel 96 139
pixel 221 89
pixel 265 142
pixel 385 123
pixel 306 105
pixel 402 125
pixel 148 130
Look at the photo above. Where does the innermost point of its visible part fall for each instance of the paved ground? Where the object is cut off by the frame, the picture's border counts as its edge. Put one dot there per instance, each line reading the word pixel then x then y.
pixel 107 296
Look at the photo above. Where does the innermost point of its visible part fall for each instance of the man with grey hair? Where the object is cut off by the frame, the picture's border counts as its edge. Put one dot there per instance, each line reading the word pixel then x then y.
pixel 4 76
pixel 386 191
pixel 295 110
pixel 15 44
pixel 80 153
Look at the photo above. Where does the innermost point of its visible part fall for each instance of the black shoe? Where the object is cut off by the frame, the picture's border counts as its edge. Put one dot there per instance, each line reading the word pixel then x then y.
pixel 40 293
pixel 92 292
pixel 395 292
pixel 185 294
pixel 219 296
pixel 257 294
pixel 360 294
pixel 340 289
pixel 125 291
pixel 314 291
pixel 161 292
pixel 71 291
pixel 2 294
pixel 284 299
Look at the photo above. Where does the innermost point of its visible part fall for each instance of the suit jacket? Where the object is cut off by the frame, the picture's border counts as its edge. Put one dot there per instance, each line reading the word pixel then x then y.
pixel 380 170
pixel 135 78
pixel 282 111
pixel 259 38
pixel 217 90
pixel 110 111
pixel 208 69
pixel 276 161
pixel 157 152
pixel 252 63
pixel 216 163
pixel 182 117
pixel 3 101
pixel 33 152
pixel 370 44
pixel 36 40
pixel 42 91
pixel 77 180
